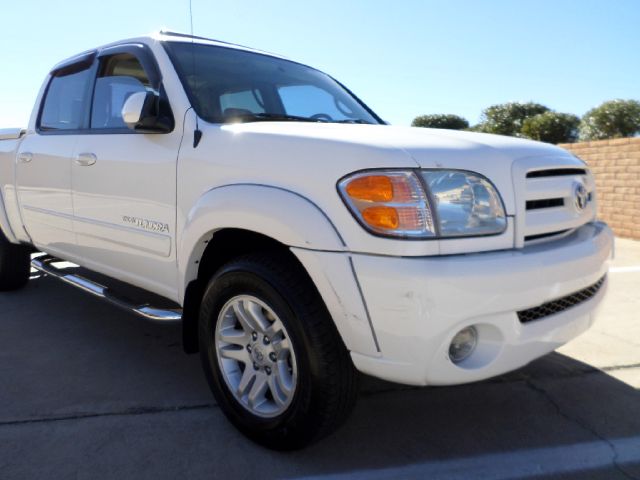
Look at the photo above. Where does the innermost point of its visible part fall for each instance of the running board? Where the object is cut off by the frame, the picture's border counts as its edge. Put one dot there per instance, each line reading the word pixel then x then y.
pixel 45 265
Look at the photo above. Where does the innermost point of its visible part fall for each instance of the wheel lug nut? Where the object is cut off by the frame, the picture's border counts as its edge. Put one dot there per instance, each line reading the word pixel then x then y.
pixel 255 366
pixel 272 357
pixel 249 348
pixel 267 370
pixel 266 340
pixel 254 335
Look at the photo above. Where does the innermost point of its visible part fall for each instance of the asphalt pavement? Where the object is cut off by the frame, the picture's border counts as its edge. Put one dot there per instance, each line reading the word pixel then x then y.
pixel 88 391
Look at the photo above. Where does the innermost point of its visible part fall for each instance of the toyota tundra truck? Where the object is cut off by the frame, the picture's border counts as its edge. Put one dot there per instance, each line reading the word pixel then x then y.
pixel 297 237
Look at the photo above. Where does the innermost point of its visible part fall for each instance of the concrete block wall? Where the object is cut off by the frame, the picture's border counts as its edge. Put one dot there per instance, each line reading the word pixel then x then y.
pixel 616 167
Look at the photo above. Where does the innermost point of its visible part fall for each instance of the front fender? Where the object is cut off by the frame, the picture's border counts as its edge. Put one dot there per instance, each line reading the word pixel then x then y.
pixel 281 214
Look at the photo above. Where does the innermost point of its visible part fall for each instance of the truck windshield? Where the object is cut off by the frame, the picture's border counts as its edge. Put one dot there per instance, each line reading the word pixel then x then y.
pixel 228 85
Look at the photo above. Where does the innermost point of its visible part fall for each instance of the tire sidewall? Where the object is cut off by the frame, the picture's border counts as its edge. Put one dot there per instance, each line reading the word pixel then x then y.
pixel 243 279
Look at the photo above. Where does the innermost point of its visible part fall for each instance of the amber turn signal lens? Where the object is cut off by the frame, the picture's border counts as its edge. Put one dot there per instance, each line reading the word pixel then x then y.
pixel 371 188
pixel 389 202
pixel 381 217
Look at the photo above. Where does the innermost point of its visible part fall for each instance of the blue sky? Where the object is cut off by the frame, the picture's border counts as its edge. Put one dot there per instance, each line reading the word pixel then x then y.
pixel 402 57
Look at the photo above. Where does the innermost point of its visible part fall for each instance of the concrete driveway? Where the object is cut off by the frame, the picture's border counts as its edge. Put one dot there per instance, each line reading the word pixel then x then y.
pixel 87 391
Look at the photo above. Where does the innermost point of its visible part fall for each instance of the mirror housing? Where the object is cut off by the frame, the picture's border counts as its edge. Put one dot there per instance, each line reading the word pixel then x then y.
pixel 133 107
pixel 141 112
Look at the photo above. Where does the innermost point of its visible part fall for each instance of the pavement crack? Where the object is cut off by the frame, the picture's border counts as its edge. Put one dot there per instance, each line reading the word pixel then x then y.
pixel 614 452
pixel 128 412
pixel 620 367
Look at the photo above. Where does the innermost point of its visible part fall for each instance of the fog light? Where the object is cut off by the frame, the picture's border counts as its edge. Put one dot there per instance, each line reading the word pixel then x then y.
pixel 463 344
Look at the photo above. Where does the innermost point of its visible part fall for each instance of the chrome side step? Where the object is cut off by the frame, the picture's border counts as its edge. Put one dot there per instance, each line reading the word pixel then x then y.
pixel 45 265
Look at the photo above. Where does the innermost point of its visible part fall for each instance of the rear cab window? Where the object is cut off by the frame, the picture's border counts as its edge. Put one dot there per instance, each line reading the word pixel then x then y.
pixel 246 100
pixel 310 100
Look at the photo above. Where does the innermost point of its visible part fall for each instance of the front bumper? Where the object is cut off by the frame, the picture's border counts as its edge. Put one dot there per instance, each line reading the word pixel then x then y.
pixel 417 305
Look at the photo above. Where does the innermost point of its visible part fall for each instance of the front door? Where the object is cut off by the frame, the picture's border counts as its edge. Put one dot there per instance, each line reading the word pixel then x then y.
pixel 124 182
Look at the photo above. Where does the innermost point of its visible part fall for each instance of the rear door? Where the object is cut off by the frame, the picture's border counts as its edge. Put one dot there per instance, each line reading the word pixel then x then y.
pixel 124 182
pixel 43 173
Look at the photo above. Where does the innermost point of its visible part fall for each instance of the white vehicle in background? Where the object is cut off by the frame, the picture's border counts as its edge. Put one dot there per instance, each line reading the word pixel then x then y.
pixel 297 237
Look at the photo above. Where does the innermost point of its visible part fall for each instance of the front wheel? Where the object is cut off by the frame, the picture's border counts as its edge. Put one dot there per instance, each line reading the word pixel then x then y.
pixel 272 355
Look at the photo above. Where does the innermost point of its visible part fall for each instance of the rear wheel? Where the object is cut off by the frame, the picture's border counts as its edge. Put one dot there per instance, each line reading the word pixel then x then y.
pixel 272 355
pixel 15 265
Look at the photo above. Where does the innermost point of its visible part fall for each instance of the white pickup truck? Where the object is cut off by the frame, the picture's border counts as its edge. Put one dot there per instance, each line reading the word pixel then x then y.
pixel 297 237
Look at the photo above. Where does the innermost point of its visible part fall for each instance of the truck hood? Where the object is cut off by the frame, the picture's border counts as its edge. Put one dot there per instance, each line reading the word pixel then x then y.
pixel 409 139
pixel 490 155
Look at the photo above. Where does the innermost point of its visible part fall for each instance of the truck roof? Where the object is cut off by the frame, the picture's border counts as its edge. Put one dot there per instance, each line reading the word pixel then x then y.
pixel 184 37
pixel 164 36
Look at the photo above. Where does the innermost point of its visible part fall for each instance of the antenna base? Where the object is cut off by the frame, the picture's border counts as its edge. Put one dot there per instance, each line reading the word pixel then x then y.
pixel 197 135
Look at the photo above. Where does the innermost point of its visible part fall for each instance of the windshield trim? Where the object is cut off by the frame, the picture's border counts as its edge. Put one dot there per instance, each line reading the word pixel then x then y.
pixel 190 95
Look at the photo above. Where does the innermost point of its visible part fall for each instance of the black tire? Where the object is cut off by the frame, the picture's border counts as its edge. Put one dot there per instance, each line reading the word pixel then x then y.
pixel 15 265
pixel 326 387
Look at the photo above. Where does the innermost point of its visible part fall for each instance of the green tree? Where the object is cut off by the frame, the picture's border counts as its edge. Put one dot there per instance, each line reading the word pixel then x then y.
pixel 551 127
pixel 441 120
pixel 612 119
pixel 507 118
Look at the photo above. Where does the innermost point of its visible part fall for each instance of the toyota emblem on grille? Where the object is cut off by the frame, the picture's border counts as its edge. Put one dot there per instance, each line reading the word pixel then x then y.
pixel 580 196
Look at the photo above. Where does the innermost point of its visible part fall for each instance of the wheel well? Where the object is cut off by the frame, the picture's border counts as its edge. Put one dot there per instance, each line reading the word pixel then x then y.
pixel 223 246
pixel 230 243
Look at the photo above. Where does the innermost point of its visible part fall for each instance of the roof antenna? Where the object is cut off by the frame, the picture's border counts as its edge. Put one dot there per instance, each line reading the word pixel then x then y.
pixel 197 133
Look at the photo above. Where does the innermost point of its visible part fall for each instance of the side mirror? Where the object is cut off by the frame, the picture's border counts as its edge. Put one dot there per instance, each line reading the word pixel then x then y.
pixel 133 108
pixel 140 113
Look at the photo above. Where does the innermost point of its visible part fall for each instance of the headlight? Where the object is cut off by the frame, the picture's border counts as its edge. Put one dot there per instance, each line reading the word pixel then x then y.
pixel 466 203
pixel 436 203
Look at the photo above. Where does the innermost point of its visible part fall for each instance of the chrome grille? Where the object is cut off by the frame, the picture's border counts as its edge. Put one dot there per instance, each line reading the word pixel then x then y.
pixel 556 172
pixel 560 304
pixel 531 238
pixel 551 198
pixel 545 203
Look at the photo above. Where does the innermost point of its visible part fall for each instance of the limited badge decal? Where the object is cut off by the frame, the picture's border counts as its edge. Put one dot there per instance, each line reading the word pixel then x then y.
pixel 147 224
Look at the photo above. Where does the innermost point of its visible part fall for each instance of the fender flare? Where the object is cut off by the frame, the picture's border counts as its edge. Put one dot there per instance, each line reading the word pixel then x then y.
pixel 281 214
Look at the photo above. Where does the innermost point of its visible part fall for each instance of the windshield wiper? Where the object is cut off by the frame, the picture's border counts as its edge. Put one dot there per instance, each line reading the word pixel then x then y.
pixel 270 117
pixel 283 117
pixel 354 120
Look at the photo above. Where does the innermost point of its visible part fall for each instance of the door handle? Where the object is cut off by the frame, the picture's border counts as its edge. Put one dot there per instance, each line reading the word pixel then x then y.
pixel 25 157
pixel 85 159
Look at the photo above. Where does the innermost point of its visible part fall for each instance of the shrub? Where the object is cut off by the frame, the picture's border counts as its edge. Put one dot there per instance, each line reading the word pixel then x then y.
pixel 551 127
pixel 441 120
pixel 508 118
pixel 612 119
